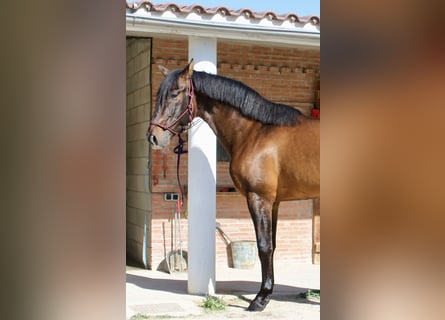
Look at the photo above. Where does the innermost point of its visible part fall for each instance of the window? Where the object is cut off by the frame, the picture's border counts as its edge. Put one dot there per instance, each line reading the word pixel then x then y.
pixel 221 154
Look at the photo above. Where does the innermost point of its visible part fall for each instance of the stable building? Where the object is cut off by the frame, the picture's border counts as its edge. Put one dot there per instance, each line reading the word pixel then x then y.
pixel 278 56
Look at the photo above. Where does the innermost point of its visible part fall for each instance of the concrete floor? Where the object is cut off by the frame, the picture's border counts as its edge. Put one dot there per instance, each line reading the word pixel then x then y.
pixel 155 293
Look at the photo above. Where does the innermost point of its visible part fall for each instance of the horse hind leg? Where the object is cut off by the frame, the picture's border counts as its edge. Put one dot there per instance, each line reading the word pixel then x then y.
pixel 261 212
pixel 274 224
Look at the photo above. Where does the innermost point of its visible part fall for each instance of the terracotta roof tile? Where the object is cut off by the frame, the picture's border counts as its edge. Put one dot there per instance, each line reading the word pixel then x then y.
pixel 161 7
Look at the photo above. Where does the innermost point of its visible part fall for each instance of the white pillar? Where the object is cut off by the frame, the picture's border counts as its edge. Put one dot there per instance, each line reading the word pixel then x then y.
pixel 202 184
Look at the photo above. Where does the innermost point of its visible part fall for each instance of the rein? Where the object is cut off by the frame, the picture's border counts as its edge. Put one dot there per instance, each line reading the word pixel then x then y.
pixel 179 150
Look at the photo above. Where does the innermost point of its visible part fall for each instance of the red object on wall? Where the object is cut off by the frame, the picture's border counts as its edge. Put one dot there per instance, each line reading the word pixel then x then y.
pixel 164 164
pixel 315 113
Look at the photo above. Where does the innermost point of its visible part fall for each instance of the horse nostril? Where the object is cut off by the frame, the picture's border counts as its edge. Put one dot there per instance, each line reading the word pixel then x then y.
pixel 153 140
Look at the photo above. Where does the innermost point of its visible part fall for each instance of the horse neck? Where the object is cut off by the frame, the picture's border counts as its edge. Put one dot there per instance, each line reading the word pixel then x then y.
pixel 226 122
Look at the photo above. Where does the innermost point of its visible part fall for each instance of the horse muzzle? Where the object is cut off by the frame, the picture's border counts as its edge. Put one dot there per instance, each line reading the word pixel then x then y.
pixel 152 139
pixel 158 137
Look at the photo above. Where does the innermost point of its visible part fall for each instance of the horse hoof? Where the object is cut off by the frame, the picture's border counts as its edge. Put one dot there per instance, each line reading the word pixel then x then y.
pixel 257 306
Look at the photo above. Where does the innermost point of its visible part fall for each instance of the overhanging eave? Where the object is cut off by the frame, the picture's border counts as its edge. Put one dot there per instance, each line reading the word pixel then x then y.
pixel 150 26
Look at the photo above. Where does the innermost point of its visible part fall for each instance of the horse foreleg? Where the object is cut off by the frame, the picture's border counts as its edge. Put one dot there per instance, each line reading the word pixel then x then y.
pixel 261 213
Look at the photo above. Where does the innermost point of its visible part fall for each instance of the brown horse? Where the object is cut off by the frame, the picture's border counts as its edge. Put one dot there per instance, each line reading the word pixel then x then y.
pixel 274 148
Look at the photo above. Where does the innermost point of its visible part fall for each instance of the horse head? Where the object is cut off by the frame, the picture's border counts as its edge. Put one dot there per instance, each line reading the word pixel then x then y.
pixel 174 108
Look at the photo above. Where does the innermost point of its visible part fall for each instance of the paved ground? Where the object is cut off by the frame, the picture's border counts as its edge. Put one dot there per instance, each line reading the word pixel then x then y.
pixel 154 294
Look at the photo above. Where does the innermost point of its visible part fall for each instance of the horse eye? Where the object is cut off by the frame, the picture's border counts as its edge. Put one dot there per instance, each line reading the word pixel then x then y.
pixel 174 94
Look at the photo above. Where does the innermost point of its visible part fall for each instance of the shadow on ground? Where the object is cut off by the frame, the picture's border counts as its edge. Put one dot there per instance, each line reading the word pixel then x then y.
pixel 236 288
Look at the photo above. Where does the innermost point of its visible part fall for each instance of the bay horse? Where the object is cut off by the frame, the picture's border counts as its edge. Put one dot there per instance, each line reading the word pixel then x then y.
pixel 274 148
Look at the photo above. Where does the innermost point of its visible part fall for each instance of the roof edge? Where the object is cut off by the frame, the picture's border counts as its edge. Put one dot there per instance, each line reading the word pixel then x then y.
pixel 224 11
pixel 141 26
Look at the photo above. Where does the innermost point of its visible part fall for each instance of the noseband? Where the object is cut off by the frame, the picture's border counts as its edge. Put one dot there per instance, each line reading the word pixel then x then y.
pixel 189 110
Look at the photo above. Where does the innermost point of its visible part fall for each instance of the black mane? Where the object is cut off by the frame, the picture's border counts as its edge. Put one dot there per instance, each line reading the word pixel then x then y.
pixel 169 82
pixel 249 102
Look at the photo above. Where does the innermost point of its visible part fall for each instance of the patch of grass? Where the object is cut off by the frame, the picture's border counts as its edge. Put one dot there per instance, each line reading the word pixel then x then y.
pixel 139 316
pixel 213 303
pixel 313 294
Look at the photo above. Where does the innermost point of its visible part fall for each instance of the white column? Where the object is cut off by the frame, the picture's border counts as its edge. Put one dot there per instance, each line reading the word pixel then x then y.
pixel 202 184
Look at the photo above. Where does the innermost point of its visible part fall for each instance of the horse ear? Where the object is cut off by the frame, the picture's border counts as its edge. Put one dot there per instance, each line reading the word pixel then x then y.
pixel 164 70
pixel 189 69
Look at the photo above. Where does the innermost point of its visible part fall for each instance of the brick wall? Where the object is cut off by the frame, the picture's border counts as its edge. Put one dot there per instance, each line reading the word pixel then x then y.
pixel 138 114
pixel 284 75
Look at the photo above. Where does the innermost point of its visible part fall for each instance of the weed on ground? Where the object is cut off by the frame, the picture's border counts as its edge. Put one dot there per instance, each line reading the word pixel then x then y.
pixel 213 303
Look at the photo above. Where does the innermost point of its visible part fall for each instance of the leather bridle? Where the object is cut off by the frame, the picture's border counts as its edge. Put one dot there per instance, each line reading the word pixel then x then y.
pixel 189 110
